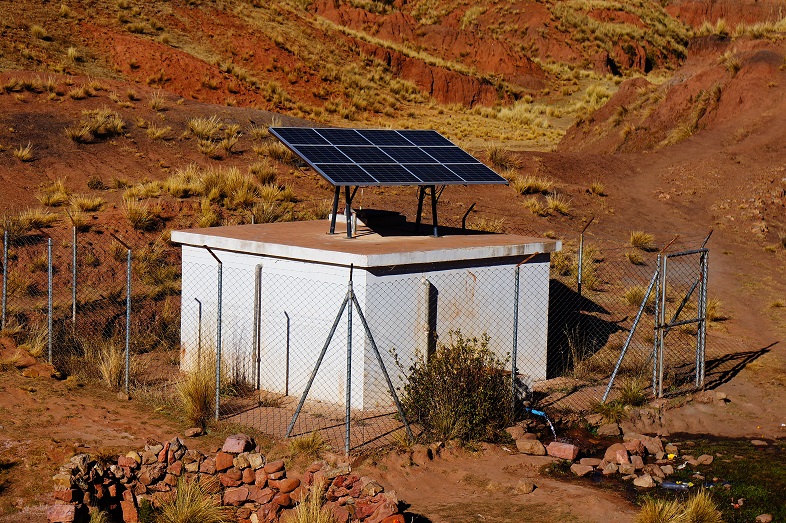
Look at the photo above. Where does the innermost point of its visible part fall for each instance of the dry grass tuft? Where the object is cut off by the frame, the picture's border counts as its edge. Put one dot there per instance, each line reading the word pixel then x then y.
pixel 86 203
pixel 158 133
pixel 191 504
pixel 635 257
pixel 501 158
pixel 140 215
pixel 24 153
pixel 312 510
pixel 54 195
pixel 157 101
pixel 99 124
pixel 714 311
pixel 557 203
pixel 276 151
pixel 197 394
pixel 205 128
pixel 642 240
pixel 532 185
pixel 310 446
pixel 264 172
pixel 698 508
pixel 597 188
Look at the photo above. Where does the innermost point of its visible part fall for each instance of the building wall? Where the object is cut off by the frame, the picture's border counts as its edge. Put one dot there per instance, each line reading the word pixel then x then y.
pixel 300 301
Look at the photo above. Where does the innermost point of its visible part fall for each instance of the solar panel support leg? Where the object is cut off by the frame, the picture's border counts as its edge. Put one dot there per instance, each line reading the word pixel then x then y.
pixel 335 210
pixel 421 196
pixel 434 210
pixel 348 211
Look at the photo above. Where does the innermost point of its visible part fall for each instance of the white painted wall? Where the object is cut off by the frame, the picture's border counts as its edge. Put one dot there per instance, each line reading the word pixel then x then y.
pixel 476 299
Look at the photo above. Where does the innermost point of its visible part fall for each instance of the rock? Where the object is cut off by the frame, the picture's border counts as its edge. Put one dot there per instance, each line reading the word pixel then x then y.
pixel 616 453
pixel 759 443
pixel 231 478
pixel 241 461
pixel 644 481
pixel 235 496
pixel 68 496
pixel 627 469
pixel 248 477
pixel 277 475
pixel 581 470
pixel 590 462
pixel 764 518
pixel 525 486
pixel 275 466
pixel 594 419
pixel 62 481
pixel 260 478
pixel 637 462
pixel 130 513
pixel 668 470
pixel 395 518
pixel 384 510
pixel 341 514
pixel 155 448
pixel 671 449
pixel 516 432
pixel 224 460
pixel 329 473
pixel 705 459
pixel 238 443
pixel 260 495
pixel 369 487
pixel 532 447
pixel 256 460
pixel 562 450
pixel 149 457
pixel 635 446
pixel 61 513
pixel 164 454
pixel 610 468
pixel 282 499
pixel 193 432
pixel 176 468
pixel 285 485
pixel 421 455
pixel 208 466
pixel 609 430
pixel 654 470
pixel 135 456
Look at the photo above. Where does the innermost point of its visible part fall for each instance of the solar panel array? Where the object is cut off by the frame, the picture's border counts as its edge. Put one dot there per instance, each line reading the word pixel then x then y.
pixel 366 157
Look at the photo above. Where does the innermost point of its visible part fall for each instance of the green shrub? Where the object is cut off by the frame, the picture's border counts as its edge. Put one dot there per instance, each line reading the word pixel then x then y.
pixel 461 392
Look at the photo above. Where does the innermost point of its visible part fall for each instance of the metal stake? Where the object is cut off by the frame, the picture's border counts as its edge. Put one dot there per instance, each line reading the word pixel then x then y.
pixel 5 279
pixel 348 414
pixel 199 333
pixel 218 330
pixel 128 322
pixel 655 333
pixel 335 210
pixel 661 328
pixel 73 281
pixel 50 272
pixel 513 366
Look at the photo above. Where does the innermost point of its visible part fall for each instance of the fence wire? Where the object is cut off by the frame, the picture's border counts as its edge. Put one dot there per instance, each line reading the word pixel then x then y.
pixel 290 354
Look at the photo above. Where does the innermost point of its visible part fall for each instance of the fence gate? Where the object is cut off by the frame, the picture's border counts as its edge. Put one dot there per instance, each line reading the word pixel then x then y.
pixel 680 322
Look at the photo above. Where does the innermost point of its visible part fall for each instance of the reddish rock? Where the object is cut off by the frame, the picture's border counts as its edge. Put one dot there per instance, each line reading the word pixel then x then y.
pixel 243 513
pixel 162 456
pixel 112 490
pixel 248 476
pixel 193 432
pixel 285 485
pixel 208 466
pixel 590 462
pixel 635 446
pixel 61 513
pixel 395 518
pixel 130 513
pixel 637 462
pixel 581 470
pixel 365 508
pixel 231 478
pixel 274 466
pixel 277 475
pixel 171 480
pixel 261 496
pixel 340 513
pixel 260 478
pixel 175 468
pixel 224 460
pixel 532 447
pixel 237 443
pixel 299 495
pixel 562 450
pixel 69 496
pixel 235 496
pixel 616 453
pixel 315 466
pixel 385 509
pixel 125 461
pixel 282 499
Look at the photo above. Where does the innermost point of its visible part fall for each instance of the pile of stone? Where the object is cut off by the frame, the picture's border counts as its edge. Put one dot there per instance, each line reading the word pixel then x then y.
pixel 238 477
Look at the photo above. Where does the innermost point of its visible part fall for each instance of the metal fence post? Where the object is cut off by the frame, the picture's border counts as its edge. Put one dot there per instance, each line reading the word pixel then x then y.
pixel 218 330
pixel 350 294
pixel 701 335
pixel 514 355
pixel 580 268
pixel 49 296
pixel 5 279
pixel 128 321
pixel 656 321
pixel 661 327
pixel 73 281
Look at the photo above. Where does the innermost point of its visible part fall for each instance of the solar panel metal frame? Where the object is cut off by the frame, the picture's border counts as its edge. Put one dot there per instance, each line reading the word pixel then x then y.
pixel 307 141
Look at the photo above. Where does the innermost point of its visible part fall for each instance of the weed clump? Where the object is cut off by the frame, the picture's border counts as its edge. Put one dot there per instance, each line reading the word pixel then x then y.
pixel 461 392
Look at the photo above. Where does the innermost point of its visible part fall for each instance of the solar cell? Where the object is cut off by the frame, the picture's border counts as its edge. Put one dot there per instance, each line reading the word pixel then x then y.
pixel 449 155
pixel 475 172
pixel 321 154
pixel 385 156
pixel 343 136
pixel 383 137
pixel 345 174
pixel 408 154
pixel 300 136
pixel 392 174
pixel 365 154
pixel 422 138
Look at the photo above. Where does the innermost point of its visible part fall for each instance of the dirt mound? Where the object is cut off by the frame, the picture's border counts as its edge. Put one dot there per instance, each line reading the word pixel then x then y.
pixel 733 12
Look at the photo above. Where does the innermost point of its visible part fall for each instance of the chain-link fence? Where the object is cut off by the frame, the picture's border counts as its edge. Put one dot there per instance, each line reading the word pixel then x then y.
pixel 294 351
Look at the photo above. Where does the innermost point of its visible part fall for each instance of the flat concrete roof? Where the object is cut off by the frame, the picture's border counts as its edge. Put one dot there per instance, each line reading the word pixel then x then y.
pixel 310 241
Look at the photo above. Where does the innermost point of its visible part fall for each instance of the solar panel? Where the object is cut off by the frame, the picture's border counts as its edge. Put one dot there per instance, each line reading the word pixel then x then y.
pixel 363 157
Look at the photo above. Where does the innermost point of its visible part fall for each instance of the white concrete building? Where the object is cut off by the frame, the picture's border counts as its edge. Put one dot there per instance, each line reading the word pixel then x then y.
pixel 283 285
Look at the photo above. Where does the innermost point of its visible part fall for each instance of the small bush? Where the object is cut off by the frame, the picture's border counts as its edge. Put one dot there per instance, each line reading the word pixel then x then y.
pixel 698 508
pixel 312 510
pixel 461 392
pixel 95 183
pixel 501 157
pixel 263 172
pixel 714 311
pixel 635 257
pixel 191 504
pixel 597 188
pixel 643 240
pixel 86 203
pixel 54 195
pixel 197 393
pixel 205 128
pixel 308 446
pixel 557 203
pixel 532 185
pixel 158 133
pixel 141 216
